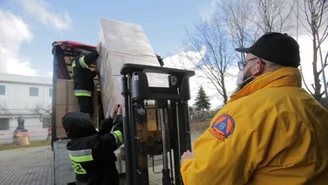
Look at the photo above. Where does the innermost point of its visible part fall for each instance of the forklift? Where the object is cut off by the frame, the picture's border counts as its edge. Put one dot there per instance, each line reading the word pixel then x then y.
pixel 155 119
pixel 168 109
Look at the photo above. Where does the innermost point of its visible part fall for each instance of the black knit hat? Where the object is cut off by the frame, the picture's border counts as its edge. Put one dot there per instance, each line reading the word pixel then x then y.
pixel 277 48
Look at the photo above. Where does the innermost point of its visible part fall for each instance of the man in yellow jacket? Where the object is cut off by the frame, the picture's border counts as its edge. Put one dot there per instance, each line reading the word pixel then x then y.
pixel 271 132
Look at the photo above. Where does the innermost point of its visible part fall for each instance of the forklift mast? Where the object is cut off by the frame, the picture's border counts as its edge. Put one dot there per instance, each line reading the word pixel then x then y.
pixel 170 138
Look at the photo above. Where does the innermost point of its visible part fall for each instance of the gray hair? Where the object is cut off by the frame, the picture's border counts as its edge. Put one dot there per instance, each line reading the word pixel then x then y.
pixel 272 66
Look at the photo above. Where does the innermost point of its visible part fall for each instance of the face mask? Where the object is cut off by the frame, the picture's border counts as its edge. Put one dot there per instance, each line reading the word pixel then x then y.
pixel 241 77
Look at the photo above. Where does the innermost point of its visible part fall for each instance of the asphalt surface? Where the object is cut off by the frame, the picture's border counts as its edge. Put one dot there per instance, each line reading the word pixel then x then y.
pixel 28 166
pixel 34 166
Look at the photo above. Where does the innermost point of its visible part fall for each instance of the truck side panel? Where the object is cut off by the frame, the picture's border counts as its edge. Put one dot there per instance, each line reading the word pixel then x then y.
pixel 63 169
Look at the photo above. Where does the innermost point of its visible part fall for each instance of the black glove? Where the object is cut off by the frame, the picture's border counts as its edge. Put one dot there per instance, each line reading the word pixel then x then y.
pixel 118 123
pixel 106 126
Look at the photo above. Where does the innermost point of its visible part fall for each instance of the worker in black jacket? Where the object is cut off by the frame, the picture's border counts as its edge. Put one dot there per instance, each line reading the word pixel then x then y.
pixel 92 152
pixel 83 80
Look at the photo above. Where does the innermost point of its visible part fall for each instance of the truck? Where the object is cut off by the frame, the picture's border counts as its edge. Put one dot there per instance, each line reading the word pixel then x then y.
pixel 156 138
pixel 63 101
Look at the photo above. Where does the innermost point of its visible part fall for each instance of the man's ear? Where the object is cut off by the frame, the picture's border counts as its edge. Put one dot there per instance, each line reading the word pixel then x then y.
pixel 258 69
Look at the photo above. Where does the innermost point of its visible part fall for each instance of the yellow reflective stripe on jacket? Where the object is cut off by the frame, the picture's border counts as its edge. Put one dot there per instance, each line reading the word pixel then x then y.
pixel 119 135
pixel 82 93
pixel 80 155
pixel 80 159
pixel 83 64
pixel 78 168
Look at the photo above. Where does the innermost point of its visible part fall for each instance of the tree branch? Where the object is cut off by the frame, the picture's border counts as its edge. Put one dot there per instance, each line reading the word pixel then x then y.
pixel 303 79
pixel 41 111
pixel 6 111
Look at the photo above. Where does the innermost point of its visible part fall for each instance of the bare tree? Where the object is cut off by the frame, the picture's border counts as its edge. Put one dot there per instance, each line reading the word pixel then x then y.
pixel 326 60
pixel 236 23
pixel 236 14
pixel 218 54
pixel 315 21
pixel 42 112
pixel 247 20
pixel 5 111
pixel 274 15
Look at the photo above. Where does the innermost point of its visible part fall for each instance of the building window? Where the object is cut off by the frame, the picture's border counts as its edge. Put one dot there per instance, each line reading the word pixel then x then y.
pixel 4 124
pixel 50 92
pixel 2 90
pixel 34 91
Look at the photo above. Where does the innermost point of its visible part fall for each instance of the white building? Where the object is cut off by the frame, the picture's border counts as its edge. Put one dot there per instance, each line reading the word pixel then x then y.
pixel 29 97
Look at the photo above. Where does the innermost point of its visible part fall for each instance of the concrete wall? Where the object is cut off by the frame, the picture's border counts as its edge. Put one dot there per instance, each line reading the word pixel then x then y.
pixel 17 101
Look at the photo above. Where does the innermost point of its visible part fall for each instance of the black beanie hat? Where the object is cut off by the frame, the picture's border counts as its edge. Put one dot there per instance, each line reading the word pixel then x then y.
pixel 277 48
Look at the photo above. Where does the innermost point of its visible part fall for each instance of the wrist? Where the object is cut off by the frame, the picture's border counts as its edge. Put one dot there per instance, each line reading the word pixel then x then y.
pixel 117 119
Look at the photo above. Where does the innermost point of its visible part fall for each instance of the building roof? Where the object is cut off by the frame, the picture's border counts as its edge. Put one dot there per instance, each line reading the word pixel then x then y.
pixel 22 79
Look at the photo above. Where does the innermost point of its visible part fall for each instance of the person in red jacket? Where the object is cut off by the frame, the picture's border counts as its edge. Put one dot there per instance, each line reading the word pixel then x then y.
pixel 92 152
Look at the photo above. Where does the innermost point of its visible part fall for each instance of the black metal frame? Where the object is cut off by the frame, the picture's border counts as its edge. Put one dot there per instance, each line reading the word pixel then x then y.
pixel 173 100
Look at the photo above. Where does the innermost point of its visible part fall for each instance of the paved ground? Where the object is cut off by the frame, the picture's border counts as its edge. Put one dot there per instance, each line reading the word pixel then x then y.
pixel 34 166
pixel 28 166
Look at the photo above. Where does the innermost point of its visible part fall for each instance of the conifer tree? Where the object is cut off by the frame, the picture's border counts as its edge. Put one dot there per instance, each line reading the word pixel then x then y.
pixel 202 101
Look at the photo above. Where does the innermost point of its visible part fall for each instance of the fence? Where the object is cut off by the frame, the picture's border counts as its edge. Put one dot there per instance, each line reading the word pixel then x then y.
pixel 6 137
pixel 202 115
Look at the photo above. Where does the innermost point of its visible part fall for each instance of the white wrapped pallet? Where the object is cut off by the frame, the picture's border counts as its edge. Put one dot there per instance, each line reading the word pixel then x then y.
pixel 123 43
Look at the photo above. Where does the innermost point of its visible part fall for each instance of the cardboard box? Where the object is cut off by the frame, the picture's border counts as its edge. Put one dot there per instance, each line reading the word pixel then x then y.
pixel 122 43
pixel 67 102
pixel 64 93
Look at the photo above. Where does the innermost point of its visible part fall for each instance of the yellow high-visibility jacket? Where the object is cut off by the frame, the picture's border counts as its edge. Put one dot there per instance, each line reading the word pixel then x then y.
pixel 271 132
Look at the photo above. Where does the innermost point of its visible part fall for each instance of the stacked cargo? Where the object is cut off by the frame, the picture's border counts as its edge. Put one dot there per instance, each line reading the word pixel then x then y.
pixel 122 43
pixel 67 102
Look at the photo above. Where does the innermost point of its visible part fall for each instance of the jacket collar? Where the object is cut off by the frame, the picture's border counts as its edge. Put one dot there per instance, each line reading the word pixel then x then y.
pixel 282 77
